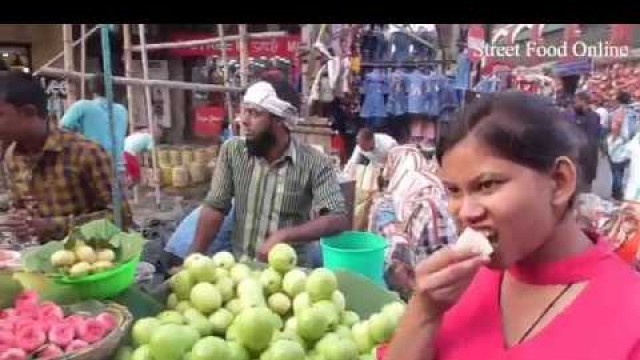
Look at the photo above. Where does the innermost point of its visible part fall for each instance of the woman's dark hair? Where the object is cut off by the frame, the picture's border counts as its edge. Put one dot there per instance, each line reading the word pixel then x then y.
pixel 523 128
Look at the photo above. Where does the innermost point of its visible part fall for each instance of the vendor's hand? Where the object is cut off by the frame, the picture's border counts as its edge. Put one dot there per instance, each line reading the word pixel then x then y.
pixel 272 240
pixel 403 276
pixel 443 277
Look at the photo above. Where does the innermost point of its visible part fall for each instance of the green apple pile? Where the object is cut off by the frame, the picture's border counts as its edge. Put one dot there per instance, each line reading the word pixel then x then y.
pixel 220 309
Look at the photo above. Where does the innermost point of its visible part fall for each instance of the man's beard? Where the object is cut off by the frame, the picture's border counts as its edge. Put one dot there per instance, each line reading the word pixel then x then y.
pixel 261 144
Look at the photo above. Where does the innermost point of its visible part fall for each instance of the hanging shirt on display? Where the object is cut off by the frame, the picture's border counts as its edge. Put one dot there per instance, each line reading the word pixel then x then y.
pixel 397 101
pixel 463 71
pixel 415 98
pixel 433 84
pixel 401 44
pixel 374 88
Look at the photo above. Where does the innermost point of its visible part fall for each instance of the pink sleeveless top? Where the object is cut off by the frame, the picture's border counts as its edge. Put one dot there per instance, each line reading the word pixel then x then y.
pixel 602 323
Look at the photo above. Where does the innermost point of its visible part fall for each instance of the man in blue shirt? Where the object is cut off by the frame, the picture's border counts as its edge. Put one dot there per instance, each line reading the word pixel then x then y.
pixel 91 119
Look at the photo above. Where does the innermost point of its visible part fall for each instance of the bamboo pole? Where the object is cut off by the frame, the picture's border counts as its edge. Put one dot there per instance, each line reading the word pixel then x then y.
pixel 83 60
pixel 128 72
pixel 244 54
pixel 61 54
pixel 171 84
pixel 67 38
pixel 150 118
pixel 210 41
pixel 108 84
pixel 225 74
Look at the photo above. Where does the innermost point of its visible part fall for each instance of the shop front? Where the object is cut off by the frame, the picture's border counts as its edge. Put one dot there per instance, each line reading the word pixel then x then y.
pixel 206 113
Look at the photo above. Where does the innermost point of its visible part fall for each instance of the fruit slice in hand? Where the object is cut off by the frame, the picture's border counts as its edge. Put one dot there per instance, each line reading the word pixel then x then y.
pixel 474 241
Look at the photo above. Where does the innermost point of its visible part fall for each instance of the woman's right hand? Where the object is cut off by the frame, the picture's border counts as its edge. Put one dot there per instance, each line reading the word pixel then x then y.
pixel 443 277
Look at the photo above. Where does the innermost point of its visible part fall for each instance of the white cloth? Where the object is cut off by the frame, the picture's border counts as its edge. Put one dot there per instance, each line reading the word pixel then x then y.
pixel 378 157
pixel 604 116
pixel 632 189
pixel 263 96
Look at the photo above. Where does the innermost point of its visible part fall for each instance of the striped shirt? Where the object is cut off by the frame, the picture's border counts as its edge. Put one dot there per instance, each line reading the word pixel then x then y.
pixel 269 197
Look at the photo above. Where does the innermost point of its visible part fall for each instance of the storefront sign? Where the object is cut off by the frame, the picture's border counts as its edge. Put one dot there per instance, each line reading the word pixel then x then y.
pixel 208 121
pixel 283 46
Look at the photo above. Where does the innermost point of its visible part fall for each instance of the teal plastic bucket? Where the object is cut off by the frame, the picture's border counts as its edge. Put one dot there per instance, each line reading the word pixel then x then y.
pixel 355 251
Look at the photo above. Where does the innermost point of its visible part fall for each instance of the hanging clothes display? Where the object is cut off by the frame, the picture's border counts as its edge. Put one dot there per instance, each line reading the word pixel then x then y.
pixel 398 88
pixel 463 71
pixel 401 46
pixel 416 90
pixel 374 87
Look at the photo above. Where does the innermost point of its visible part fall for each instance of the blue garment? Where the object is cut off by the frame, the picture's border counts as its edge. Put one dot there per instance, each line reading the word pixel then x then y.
pixel 182 239
pixel 374 87
pixel 488 85
pixel 463 71
pixel 380 49
pixel 416 90
pixel 91 119
pixel 433 83
pixel 401 44
pixel 398 89
pixel 449 98
pixel 631 123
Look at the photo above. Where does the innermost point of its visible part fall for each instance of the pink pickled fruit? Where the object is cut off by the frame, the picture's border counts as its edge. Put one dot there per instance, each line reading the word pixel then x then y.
pixel 76 345
pixel 4 348
pixel 50 311
pixel 61 334
pixel 7 314
pixel 75 321
pixel 13 354
pixel 91 331
pixel 6 325
pixel 27 299
pixel 30 338
pixel 107 320
pixel 50 352
pixel 7 338
pixel 27 312
pixel 21 323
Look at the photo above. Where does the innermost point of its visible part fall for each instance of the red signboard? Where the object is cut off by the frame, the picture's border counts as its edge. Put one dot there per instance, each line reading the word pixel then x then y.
pixel 475 42
pixel 283 46
pixel 208 121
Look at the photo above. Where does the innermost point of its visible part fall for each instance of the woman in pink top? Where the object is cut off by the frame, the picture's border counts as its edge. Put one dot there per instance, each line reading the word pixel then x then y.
pixel 550 290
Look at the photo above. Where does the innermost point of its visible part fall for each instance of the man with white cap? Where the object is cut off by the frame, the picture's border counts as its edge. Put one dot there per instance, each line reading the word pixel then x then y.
pixel 275 181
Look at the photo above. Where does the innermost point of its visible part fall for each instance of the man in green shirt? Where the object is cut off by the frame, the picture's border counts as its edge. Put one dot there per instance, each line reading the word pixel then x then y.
pixel 276 181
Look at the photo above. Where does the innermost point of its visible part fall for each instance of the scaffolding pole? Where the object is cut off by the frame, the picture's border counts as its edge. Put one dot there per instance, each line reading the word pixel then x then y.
pixel 150 118
pixel 61 54
pixel 181 85
pixel 225 74
pixel 210 41
pixel 128 72
pixel 244 54
pixel 67 38
pixel 83 60
pixel 108 83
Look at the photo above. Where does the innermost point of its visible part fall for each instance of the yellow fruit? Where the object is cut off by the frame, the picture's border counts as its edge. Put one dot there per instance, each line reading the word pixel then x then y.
pixel 101 265
pixel 62 258
pixel 106 255
pixel 80 269
pixel 86 254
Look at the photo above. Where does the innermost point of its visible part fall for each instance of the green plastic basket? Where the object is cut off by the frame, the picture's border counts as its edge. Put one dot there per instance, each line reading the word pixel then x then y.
pixel 104 285
pixel 355 251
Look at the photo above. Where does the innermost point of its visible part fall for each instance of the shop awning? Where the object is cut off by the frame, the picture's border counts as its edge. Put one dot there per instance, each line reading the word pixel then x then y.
pixel 577 67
